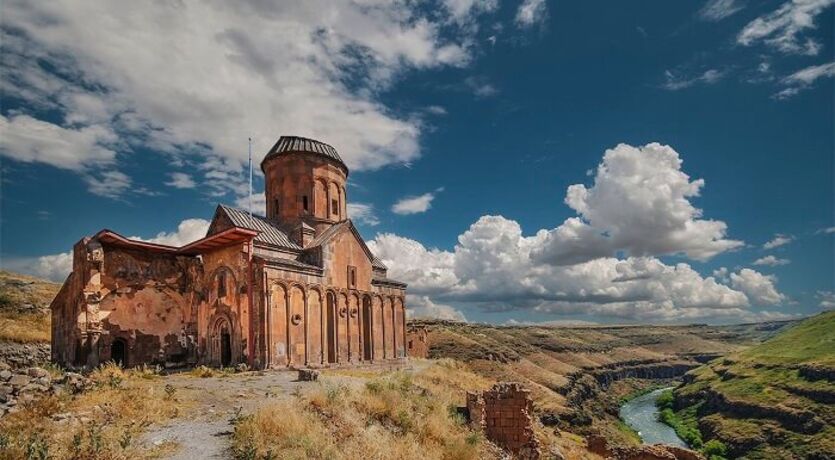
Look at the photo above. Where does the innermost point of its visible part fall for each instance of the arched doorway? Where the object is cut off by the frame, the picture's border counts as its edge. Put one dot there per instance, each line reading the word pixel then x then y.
pixel 222 342
pixel 225 348
pixel 330 329
pixel 367 353
pixel 119 352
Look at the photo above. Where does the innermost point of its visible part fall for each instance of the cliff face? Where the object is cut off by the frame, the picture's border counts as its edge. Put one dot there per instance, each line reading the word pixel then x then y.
pixel 774 400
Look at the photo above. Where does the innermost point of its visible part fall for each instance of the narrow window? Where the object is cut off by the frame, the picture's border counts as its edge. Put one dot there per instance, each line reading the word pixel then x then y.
pixel 335 207
pixel 221 284
pixel 275 207
pixel 352 277
pixel 304 203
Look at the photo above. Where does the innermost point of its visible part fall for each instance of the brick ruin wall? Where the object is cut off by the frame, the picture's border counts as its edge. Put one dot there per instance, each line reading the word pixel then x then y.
pixel 417 342
pixel 504 413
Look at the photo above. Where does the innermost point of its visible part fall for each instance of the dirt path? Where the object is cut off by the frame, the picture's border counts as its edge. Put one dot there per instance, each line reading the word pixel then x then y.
pixel 203 433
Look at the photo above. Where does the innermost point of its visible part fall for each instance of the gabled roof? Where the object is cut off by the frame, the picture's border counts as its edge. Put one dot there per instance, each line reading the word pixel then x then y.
pixel 293 144
pixel 269 232
pixel 334 230
pixel 378 264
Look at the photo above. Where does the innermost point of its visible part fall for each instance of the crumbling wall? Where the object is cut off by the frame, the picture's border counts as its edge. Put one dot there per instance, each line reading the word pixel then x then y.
pixel 504 414
pixel 141 299
pixel 417 342
pixel 146 302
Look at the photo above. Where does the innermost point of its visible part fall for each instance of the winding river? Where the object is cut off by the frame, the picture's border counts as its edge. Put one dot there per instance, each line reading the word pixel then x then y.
pixel 641 414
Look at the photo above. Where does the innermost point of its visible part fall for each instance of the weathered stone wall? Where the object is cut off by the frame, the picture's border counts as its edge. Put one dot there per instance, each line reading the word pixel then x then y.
pixel 224 307
pixel 314 325
pixel 505 414
pixel 290 178
pixel 417 342
pixel 135 301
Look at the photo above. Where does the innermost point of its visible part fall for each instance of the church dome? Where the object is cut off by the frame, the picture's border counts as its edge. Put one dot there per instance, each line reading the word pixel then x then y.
pixel 296 144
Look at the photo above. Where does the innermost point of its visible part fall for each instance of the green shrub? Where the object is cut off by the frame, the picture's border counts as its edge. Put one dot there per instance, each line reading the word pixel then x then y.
pixel 665 400
pixel 715 449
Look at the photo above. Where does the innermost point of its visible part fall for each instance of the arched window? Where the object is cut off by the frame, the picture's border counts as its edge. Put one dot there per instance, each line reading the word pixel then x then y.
pixel 221 284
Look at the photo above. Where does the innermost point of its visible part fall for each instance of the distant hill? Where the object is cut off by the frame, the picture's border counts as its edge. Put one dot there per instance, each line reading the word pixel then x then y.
pixel 24 307
pixel 773 400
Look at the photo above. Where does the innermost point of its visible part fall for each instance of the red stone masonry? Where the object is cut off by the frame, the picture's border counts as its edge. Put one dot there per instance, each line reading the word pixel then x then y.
pixel 504 414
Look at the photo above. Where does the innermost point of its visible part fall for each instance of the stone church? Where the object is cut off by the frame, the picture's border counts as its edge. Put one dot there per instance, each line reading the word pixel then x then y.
pixel 297 288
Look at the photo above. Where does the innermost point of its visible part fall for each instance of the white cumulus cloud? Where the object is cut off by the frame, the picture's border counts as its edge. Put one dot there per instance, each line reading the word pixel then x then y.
pixel 759 288
pixel 640 204
pixel 491 268
pixel 771 261
pixel 415 204
pixel 423 307
pixel 30 140
pixel 194 79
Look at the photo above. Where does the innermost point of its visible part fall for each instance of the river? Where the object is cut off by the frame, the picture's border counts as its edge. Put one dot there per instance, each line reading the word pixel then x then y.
pixel 641 414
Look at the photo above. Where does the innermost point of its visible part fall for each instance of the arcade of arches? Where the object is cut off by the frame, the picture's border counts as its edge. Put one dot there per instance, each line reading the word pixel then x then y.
pixel 312 325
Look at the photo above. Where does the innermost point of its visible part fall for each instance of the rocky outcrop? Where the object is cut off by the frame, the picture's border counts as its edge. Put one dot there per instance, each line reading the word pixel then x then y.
pixel 601 447
pixel 797 420
pixel 585 384
pixel 19 386
pixel 816 372
pixel 20 355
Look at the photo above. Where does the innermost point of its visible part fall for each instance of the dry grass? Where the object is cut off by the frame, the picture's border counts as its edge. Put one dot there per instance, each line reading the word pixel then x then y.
pixel 205 372
pixel 105 422
pixel 24 308
pixel 24 327
pixel 393 416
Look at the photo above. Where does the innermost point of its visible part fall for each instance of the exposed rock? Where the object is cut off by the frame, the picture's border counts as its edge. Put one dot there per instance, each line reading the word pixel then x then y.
pixel 19 380
pixel 26 385
pixel 19 355
pixel 598 445
pixel 816 372
pixel 37 372
pixel 799 420
pixel 308 375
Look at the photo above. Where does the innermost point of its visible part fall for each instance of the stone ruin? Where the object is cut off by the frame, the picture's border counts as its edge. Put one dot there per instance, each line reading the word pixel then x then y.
pixel 417 341
pixel 504 414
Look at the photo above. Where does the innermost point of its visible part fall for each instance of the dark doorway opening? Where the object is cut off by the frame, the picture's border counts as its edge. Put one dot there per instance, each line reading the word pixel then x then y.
pixel 367 353
pixel 119 352
pixel 225 348
pixel 331 330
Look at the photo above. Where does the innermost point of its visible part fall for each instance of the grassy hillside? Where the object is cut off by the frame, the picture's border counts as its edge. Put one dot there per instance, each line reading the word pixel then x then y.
pixel 24 307
pixel 773 400
pixel 811 341
pixel 551 361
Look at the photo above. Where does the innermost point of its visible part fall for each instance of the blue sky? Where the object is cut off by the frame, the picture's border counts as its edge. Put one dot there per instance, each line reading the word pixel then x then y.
pixel 465 125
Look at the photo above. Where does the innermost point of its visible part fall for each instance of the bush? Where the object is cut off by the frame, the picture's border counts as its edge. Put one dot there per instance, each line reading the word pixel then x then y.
pixel 689 434
pixel 665 400
pixel 715 449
